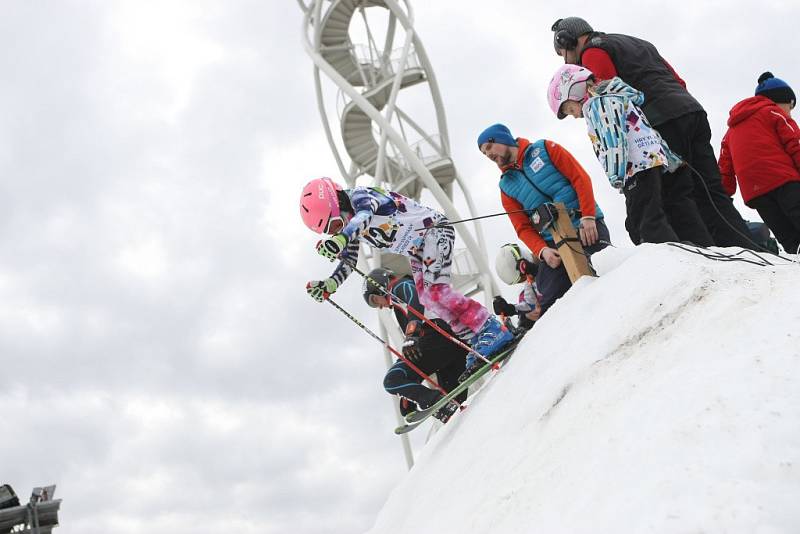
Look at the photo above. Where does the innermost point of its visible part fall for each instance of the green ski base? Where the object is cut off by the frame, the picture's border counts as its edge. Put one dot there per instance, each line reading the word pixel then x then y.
pixel 414 419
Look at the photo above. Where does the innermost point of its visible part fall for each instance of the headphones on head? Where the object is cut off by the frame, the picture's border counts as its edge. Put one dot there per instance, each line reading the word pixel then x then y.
pixel 563 39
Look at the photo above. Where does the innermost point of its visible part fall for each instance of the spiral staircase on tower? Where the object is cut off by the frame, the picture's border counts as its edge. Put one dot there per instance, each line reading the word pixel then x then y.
pixel 379 142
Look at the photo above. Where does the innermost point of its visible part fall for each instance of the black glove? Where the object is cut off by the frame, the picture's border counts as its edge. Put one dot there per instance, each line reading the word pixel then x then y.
pixel 501 307
pixel 412 344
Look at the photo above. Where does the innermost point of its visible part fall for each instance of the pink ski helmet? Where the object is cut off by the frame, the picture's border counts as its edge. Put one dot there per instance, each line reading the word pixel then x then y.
pixel 568 83
pixel 318 204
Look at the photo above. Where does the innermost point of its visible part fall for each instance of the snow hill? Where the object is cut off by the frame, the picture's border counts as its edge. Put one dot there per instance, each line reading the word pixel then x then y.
pixel 663 396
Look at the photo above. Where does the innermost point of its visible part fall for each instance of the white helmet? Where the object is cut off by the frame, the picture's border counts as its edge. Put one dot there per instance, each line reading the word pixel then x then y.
pixel 507 263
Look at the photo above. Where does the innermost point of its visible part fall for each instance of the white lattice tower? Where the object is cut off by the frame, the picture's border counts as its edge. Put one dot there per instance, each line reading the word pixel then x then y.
pixel 380 140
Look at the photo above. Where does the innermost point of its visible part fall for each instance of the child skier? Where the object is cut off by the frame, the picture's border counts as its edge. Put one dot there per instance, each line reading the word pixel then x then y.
pixel 633 155
pixel 423 346
pixel 514 265
pixel 387 220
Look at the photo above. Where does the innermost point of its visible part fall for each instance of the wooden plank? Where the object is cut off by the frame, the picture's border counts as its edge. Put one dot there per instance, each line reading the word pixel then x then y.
pixel 570 248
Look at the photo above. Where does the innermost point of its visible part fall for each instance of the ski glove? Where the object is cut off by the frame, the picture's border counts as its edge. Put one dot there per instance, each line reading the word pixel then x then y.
pixel 320 289
pixel 331 248
pixel 502 307
pixel 412 345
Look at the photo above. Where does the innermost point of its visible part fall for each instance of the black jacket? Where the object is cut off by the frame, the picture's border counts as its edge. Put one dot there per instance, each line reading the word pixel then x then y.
pixel 640 65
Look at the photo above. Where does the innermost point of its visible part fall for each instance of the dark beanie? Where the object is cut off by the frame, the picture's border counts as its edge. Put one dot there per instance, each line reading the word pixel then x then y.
pixel 497 133
pixel 775 89
pixel 574 26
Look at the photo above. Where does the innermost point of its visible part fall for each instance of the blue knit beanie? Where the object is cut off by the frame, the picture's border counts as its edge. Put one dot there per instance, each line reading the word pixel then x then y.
pixel 775 89
pixel 497 133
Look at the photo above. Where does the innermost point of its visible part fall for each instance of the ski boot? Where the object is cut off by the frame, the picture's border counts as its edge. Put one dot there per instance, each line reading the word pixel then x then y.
pixel 492 337
pixel 446 412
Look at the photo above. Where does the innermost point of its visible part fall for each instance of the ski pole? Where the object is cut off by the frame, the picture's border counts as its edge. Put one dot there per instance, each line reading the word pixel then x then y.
pixel 435 326
pixel 389 347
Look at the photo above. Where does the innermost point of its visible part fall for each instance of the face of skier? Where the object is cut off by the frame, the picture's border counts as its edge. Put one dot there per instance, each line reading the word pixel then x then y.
pixel 501 154
pixel 572 108
pixel 379 301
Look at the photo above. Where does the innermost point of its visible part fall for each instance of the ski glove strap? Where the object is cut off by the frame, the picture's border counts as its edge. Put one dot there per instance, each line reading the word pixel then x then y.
pixel 412 349
pixel 412 345
pixel 332 247
pixel 320 289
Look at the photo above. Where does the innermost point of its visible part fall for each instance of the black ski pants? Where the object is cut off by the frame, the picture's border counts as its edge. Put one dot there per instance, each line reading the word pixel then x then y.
pixel 553 283
pixel 660 208
pixel 445 359
pixel 690 136
pixel 780 210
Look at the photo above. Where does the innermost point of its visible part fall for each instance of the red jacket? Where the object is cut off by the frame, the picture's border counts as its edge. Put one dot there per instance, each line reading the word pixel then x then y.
pixel 761 148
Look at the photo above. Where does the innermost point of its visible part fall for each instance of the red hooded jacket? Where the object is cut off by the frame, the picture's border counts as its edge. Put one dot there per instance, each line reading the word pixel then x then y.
pixel 761 148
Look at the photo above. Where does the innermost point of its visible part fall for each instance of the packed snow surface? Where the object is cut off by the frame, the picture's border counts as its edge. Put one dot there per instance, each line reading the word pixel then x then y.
pixel 663 396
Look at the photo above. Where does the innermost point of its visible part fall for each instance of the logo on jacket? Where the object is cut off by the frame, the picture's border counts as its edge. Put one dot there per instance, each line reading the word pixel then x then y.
pixel 537 164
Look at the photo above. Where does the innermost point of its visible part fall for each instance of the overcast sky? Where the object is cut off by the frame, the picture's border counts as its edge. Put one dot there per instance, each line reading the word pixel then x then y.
pixel 159 358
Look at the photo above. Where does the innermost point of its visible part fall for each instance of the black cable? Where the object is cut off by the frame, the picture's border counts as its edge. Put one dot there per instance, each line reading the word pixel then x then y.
pixel 721 216
pixel 451 223
pixel 718 256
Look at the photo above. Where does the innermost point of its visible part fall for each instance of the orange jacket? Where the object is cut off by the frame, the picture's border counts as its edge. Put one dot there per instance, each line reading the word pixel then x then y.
pixel 567 165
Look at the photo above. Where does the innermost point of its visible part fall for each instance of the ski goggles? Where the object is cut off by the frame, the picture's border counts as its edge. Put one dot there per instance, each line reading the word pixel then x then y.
pixel 521 267
pixel 335 225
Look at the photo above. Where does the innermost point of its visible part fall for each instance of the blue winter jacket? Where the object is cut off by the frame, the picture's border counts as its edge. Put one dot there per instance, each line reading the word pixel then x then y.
pixel 537 181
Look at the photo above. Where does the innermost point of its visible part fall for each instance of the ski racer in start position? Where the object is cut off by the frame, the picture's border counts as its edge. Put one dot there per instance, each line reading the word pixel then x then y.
pixel 389 221
pixel 424 347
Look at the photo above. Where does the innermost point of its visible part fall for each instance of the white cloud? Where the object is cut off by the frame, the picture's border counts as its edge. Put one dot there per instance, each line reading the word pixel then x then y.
pixel 153 317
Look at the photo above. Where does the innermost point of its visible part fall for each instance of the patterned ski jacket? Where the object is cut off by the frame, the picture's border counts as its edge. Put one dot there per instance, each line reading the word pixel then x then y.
pixel 528 297
pixel 545 172
pixel 622 139
pixel 384 220
pixel 761 148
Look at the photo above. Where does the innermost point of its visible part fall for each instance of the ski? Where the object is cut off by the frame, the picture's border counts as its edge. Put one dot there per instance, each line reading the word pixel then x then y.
pixel 414 419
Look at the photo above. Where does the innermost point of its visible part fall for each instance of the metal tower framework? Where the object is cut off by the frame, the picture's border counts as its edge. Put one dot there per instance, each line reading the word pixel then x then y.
pixel 379 138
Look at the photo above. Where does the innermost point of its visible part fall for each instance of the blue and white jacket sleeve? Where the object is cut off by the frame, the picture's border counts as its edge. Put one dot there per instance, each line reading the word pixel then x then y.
pixel 605 119
pixel 365 203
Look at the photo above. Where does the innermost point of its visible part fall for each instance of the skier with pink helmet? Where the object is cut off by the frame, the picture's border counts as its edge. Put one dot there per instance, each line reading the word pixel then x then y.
pixel 633 154
pixel 318 204
pixel 391 222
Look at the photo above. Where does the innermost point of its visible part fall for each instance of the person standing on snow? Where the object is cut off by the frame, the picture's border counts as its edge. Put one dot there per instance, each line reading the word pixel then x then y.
pixel 761 150
pixel 670 109
pixel 635 158
pixel 538 173
pixel 424 347
pixel 388 221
